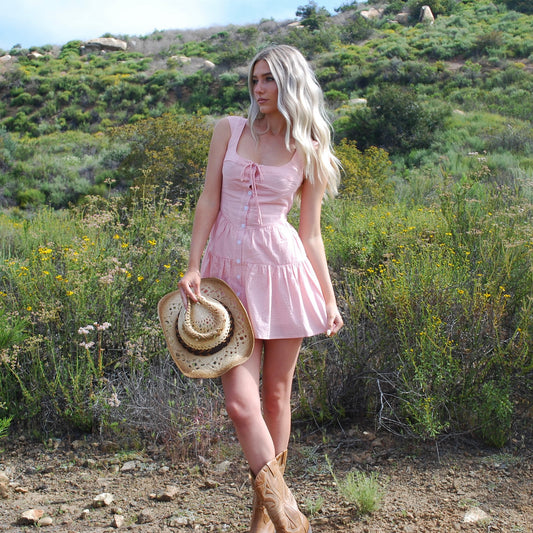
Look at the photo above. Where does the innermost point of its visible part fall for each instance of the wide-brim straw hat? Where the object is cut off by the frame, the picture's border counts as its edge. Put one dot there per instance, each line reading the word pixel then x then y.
pixel 209 337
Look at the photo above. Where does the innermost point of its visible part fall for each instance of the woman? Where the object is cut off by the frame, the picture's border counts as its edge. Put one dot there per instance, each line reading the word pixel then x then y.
pixel 256 168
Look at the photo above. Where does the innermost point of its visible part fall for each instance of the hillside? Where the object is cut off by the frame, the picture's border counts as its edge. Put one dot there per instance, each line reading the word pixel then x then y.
pixel 475 57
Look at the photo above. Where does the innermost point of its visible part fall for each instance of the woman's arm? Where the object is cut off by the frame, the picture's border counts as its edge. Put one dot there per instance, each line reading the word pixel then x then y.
pixel 311 236
pixel 206 209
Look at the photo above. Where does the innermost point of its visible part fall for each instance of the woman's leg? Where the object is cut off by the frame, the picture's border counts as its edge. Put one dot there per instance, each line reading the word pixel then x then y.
pixel 278 370
pixel 243 404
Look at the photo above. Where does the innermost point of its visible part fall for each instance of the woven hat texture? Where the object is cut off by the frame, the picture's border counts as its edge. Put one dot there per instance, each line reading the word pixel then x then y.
pixel 210 336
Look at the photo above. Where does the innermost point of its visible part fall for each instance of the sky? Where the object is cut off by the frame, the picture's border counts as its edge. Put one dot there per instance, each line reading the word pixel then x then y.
pixel 39 22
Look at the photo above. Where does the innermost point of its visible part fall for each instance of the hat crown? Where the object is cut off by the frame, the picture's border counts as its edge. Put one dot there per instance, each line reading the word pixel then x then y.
pixel 205 319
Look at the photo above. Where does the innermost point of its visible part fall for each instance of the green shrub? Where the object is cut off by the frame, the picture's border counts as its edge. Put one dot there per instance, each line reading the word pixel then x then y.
pixel 394 120
pixel 365 174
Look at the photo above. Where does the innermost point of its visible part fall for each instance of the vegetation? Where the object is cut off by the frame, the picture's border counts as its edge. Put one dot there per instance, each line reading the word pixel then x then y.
pixel 429 241
pixel 360 489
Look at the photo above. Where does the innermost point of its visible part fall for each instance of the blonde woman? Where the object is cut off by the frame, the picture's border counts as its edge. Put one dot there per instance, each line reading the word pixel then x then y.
pixel 256 168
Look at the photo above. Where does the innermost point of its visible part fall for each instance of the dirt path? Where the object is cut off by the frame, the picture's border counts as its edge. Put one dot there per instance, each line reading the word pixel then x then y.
pixel 424 491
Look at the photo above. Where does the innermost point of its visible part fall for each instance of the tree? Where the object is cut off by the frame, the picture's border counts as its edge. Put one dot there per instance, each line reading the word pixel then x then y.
pixel 311 16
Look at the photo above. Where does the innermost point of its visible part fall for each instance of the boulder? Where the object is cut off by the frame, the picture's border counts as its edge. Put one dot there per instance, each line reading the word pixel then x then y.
pixel 34 55
pixel 372 13
pixel 109 44
pixel 426 16
pixel 5 59
pixel 209 64
pixel 402 18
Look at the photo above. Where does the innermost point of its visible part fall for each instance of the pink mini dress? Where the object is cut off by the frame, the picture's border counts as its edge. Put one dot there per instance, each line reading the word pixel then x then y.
pixel 257 252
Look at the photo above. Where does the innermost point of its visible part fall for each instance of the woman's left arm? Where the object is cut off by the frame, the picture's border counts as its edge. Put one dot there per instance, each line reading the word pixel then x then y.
pixel 311 236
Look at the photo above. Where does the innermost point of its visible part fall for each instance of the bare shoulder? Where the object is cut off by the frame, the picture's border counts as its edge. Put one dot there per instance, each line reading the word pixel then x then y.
pixel 221 135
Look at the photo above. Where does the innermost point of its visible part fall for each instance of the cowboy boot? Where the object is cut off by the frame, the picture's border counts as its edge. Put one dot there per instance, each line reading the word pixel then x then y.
pixel 261 522
pixel 279 501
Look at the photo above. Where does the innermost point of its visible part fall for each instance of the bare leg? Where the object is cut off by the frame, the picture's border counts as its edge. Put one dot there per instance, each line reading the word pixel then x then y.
pixel 243 404
pixel 278 371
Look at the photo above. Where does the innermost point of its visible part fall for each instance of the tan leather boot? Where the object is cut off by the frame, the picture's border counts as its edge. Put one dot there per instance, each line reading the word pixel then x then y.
pixel 279 501
pixel 261 522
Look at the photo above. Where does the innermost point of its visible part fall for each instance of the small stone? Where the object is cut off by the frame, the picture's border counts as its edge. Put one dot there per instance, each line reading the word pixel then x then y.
pixel 21 490
pixel 45 521
pixel 4 491
pixel 170 494
pixel 145 517
pixel 85 514
pixel 31 517
pixel 222 467
pixel 128 466
pixel 118 521
pixel 3 478
pixel 177 521
pixel 475 515
pixel 103 500
pixel 90 463
pixel 210 484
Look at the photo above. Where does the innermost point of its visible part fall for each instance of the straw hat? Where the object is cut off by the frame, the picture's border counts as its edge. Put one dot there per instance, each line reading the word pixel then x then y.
pixel 210 336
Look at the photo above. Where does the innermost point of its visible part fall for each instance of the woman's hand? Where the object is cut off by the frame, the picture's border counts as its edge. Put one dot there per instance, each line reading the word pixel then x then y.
pixel 335 321
pixel 189 285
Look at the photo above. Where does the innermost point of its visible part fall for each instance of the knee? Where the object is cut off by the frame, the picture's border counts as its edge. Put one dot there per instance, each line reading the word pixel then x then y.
pixel 242 410
pixel 275 402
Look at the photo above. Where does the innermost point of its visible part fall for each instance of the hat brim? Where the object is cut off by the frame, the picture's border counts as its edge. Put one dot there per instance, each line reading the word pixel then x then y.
pixel 236 352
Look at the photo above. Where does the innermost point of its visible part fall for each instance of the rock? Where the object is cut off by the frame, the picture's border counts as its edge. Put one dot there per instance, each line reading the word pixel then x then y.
pixel 145 516
pixel 372 13
pixel 45 521
pixel 475 515
pixel 4 492
pixel 181 59
pixel 106 43
pixel 128 466
pixel 210 484
pixel 209 64
pixel 34 55
pixel 31 517
pixel 21 490
pixel 5 59
pixel 103 500
pixel 85 514
pixel 177 521
pixel 118 521
pixel 426 16
pixel 3 476
pixel 402 18
pixel 222 467
pixel 170 494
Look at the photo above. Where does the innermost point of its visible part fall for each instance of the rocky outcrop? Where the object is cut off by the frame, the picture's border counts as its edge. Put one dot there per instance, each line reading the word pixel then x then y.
pixel 372 13
pixel 107 44
pixel 34 55
pixel 426 16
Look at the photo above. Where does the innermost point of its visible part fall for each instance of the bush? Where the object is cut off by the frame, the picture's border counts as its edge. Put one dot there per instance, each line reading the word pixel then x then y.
pixel 365 174
pixel 394 120
pixel 169 150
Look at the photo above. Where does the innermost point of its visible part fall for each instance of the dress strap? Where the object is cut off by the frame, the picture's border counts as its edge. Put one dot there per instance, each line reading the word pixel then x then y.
pixel 237 125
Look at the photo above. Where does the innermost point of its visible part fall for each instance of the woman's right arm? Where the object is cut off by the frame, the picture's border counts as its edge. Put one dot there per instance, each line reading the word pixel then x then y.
pixel 206 209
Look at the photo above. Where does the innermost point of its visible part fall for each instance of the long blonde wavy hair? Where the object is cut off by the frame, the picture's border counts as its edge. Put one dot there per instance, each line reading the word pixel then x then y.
pixel 301 102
